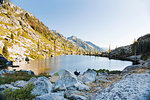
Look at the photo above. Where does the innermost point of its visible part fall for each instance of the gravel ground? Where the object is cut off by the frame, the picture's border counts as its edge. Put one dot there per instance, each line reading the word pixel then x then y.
pixel 132 87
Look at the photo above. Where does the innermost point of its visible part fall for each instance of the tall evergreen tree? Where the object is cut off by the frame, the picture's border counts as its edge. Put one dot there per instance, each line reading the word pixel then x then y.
pixel 38 45
pixel 12 36
pixel 54 45
pixel 5 51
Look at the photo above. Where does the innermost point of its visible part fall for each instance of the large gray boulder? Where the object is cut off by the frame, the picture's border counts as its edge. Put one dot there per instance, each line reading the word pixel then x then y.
pixel 7 86
pixel 51 96
pixel 67 79
pixel 65 74
pixel 88 76
pixel 42 86
pixel 65 83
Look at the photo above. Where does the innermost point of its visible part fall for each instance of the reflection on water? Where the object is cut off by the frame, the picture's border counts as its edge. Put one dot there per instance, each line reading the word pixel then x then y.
pixel 72 62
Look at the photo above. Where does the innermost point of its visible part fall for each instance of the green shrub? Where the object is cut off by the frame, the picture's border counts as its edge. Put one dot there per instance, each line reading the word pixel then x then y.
pixel 101 71
pixel 114 72
pixel 15 77
pixel 20 94
pixel 109 72
pixel 56 74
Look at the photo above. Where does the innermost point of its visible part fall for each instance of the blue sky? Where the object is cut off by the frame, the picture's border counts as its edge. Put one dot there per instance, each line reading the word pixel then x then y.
pixel 103 22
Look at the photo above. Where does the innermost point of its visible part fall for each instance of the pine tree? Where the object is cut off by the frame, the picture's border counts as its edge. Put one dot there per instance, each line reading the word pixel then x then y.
pixel 55 44
pixel 109 50
pixel 12 36
pixel 64 47
pixel 38 45
pixel 134 46
pixel 90 52
pixel 5 51
pixel 97 52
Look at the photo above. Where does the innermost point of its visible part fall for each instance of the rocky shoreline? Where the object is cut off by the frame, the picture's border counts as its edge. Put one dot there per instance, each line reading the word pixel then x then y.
pixel 91 85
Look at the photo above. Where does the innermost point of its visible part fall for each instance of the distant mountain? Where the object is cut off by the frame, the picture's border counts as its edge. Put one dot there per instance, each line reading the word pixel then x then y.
pixel 83 44
pixel 95 46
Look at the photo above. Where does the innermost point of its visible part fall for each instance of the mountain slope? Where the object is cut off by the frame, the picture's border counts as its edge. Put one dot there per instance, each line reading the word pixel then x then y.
pixel 83 44
pixel 30 36
pixel 94 46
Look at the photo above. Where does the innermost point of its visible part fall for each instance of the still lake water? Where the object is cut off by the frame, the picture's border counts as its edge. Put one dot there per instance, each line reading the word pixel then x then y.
pixel 72 62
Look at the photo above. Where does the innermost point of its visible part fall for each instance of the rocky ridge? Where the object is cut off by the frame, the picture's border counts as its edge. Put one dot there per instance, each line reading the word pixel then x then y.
pixel 88 46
